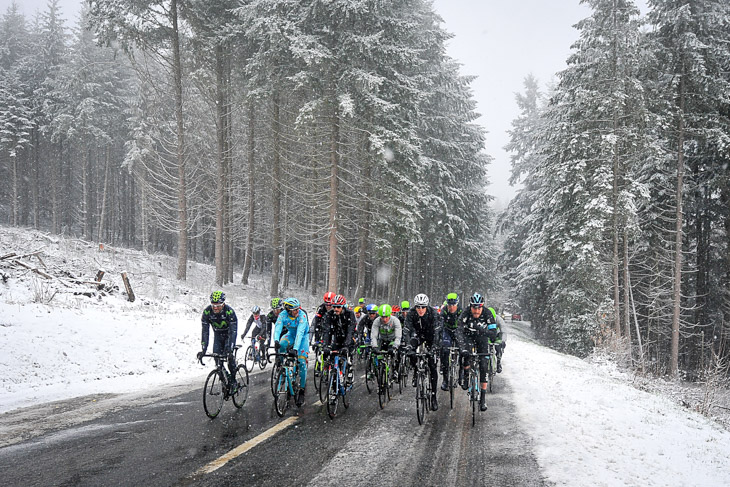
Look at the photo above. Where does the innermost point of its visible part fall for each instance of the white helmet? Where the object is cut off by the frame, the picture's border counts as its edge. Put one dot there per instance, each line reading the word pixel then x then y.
pixel 420 300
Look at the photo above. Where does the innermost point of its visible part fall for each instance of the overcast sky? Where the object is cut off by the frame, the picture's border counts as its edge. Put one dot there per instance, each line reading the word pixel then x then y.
pixel 500 42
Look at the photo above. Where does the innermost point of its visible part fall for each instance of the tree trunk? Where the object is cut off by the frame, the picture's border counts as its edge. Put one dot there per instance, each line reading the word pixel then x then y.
pixel 276 199
pixel 102 212
pixel 182 238
pixel 251 152
pixel 677 290
pixel 627 314
pixel 334 198
pixel 220 176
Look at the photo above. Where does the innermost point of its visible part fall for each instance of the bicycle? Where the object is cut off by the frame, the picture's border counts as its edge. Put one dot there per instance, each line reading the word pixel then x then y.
pixel 287 385
pixel 338 385
pixel 218 386
pixel 254 355
pixel 423 385
pixel 370 368
pixel 404 369
pixel 318 365
pixel 474 388
pixel 453 372
pixel 383 366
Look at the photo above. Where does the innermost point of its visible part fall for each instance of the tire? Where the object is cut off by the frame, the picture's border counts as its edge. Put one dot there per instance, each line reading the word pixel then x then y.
pixel 370 379
pixel 332 395
pixel 213 396
pixel 324 381
pixel 490 373
pixel 241 395
pixel 281 397
pixel 382 386
pixel 474 391
pixel 317 372
pixel 248 359
pixel 453 380
pixel 274 374
pixel 420 398
pixel 263 361
pixel 427 387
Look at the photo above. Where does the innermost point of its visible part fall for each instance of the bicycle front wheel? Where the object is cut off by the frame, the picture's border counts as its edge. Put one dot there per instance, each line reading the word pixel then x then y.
pixel 281 398
pixel 263 361
pixel 249 359
pixel 317 375
pixel 324 382
pixel 274 374
pixel 369 377
pixel 332 388
pixel 382 386
pixel 474 392
pixel 490 372
pixel 213 396
pixel 240 395
pixel 420 397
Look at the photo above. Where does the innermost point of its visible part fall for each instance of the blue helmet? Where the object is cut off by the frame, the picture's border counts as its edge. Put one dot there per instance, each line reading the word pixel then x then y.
pixel 372 308
pixel 292 303
pixel 255 310
pixel 476 300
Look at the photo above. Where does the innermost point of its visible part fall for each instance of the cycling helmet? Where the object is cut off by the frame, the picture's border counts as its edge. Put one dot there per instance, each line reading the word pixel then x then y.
pixel 405 305
pixel 291 303
pixel 275 303
pixel 385 310
pixel 452 298
pixel 372 308
pixel 476 300
pixel 339 301
pixel 361 301
pixel 255 310
pixel 420 300
pixel 396 309
pixel 329 297
pixel 217 297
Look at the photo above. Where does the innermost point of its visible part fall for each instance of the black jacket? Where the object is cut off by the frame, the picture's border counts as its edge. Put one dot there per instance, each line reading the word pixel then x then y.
pixel 339 329
pixel 427 329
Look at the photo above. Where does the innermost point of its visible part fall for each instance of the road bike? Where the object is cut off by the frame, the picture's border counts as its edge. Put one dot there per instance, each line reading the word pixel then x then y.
pixel 423 384
pixel 287 381
pixel 339 383
pixel 256 354
pixel 452 369
pixel 383 367
pixel 404 368
pixel 318 365
pixel 219 387
pixel 474 389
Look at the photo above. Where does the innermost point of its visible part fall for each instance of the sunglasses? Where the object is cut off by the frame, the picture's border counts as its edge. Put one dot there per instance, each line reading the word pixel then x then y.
pixel 337 306
pixel 477 305
pixel 421 307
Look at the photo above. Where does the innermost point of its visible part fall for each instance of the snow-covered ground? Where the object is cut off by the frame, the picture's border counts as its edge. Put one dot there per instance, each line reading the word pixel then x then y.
pixel 590 425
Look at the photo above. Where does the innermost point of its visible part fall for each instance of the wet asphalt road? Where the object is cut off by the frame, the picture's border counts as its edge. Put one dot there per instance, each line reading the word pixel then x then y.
pixel 164 438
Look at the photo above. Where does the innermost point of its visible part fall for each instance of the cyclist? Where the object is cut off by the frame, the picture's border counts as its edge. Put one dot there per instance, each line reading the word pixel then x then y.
pixel 358 313
pixel 259 330
pixel 494 330
pixel 423 325
pixel 296 341
pixel 223 319
pixel 339 331
pixel 363 328
pixel 405 307
pixel 271 318
pixel 322 310
pixel 450 317
pixel 387 333
pixel 472 332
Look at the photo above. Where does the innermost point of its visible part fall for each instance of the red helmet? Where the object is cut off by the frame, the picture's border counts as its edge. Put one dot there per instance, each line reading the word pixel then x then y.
pixel 339 300
pixel 329 297
pixel 396 309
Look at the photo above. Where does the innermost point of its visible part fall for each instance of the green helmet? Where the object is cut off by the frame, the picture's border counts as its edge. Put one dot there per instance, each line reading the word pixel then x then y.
pixel 217 297
pixel 405 305
pixel 385 310
pixel 275 303
pixel 452 298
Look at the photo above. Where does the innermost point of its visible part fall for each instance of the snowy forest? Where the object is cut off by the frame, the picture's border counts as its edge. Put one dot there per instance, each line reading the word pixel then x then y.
pixel 333 145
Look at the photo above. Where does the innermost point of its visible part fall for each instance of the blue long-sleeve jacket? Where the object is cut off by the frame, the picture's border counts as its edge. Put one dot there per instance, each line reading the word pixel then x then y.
pixel 224 322
pixel 298 326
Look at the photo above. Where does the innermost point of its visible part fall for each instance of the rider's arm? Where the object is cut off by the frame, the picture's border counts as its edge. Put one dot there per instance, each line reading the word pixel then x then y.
pixel 248 326
pixel 206 330
pixel 302 339
pixel 375 332
pixel 232 328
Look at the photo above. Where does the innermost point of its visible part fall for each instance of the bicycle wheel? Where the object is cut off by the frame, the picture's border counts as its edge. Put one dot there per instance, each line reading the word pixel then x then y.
pixel 213 394
pixel 427 387
pixel 249 360
pixel 382 386
pixel 281 397
pixel 420 397
pixel 324 382
pixel 474 394
pixel 490 373
pixel 263 361
pixel 453 379
pixel 388 379
pixel 370 378
pixel 241 394
pixel 317 373
pixel 274 374
pixel 332 389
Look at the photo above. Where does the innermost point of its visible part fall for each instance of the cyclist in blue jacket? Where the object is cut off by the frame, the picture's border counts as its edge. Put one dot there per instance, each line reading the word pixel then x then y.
pixel 224 322
pixel 296 340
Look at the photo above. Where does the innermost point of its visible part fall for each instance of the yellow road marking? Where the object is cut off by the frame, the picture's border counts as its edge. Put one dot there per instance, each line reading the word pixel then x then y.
pixel 244 447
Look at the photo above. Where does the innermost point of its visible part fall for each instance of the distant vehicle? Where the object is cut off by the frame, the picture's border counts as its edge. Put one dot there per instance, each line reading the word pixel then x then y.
pixel 516 317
